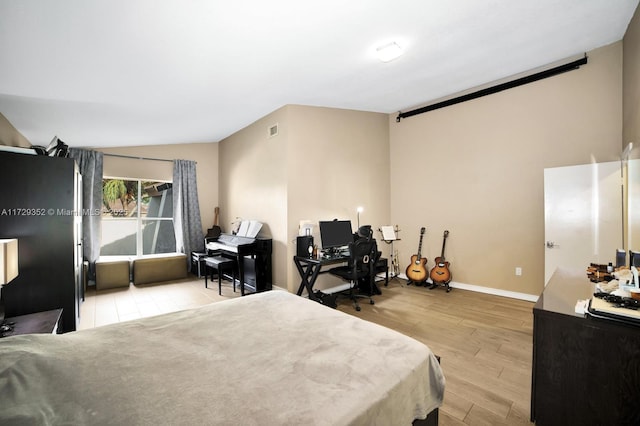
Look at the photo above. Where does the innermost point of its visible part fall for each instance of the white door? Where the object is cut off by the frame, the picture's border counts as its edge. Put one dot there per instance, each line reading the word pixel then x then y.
pixel 583 215
pixel 633 205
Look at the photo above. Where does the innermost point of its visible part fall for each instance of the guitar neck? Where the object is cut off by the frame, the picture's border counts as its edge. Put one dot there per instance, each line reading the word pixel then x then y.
pixel 444 241
pixel 422 230
pixel 215 217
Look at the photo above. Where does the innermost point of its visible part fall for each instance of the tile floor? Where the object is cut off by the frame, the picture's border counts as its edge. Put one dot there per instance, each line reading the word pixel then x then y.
pixel 117 305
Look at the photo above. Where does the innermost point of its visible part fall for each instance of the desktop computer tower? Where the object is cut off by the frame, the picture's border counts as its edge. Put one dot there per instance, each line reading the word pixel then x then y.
pixel 305 246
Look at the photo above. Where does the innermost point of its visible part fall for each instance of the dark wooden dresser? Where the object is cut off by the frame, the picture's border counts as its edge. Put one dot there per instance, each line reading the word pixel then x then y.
pixel 586 371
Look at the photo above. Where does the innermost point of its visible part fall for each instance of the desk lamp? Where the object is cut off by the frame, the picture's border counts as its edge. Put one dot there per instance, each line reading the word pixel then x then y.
pixel 8 271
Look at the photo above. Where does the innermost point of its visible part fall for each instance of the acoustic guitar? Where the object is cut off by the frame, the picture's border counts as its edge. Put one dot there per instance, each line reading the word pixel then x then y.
pixel 417 271
pixel 440 273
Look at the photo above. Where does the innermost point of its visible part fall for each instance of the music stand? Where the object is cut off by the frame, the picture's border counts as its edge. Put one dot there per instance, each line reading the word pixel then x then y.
pixel 389 235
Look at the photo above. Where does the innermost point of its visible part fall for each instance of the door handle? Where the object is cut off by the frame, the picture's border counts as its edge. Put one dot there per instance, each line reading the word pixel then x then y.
pixel 551 244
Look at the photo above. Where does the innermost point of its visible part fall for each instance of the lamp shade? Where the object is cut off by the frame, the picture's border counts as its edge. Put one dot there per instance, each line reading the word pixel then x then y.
pixel 8 260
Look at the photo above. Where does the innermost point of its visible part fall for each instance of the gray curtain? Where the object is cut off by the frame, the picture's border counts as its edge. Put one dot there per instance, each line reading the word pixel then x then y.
pixel 90 166
pixel 186 209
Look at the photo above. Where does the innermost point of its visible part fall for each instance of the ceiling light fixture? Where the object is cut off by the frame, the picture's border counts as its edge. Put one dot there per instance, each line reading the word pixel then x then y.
pixel 389 52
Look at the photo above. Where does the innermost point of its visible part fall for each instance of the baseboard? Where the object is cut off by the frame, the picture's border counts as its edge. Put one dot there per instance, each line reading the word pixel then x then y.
pixel 495 291
pixel 489 290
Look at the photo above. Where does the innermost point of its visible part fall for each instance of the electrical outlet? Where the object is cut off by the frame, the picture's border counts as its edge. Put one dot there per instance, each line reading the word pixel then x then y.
pixel 518 271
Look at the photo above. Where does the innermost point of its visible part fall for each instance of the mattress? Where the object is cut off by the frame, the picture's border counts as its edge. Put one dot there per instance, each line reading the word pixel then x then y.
pixel 271 358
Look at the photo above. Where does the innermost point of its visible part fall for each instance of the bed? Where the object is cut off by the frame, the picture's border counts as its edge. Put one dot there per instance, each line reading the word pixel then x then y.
pixel 271 358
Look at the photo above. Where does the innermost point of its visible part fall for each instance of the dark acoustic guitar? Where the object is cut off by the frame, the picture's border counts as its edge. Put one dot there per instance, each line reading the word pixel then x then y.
pixel 440 273
pixel 417 271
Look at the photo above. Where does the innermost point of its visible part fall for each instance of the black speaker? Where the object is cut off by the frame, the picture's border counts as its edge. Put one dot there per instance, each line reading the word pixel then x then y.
pixel 305 246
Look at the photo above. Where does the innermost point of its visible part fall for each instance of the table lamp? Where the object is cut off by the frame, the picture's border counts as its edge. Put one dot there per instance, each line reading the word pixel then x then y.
pixel 8 271
pixel 359 210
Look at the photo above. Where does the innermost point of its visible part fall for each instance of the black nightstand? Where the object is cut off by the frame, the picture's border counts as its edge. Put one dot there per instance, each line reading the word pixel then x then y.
pixel 41 322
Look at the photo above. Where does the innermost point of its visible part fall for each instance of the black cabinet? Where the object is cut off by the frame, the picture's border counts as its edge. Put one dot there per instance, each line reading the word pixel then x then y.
pixel 257 267
pixel 39 205
pixel 586 371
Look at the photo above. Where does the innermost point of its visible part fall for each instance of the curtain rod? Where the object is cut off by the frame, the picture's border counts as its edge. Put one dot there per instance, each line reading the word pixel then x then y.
pixel 137 158
pixel 498 88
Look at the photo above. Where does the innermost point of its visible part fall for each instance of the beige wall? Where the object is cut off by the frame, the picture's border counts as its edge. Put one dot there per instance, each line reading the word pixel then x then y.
pixel 323 164
pixel 339 162
pixel 253 183
pixel 10 136
pixel 476 169
pixel 205 154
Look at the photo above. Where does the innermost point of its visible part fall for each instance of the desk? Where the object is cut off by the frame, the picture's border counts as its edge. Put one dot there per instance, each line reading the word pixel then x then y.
pixel 309 270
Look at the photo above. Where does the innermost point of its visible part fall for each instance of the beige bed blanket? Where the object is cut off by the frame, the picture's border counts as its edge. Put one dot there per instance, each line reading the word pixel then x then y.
pixel 271 358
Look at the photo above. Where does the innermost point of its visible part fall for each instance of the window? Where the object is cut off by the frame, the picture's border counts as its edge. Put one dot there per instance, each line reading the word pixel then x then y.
pixel 137 217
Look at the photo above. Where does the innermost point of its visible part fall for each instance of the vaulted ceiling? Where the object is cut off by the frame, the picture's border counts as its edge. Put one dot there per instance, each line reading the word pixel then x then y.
pixel 102 73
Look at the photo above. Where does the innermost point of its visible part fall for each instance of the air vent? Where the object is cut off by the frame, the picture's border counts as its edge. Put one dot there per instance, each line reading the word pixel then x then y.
pixel 273 130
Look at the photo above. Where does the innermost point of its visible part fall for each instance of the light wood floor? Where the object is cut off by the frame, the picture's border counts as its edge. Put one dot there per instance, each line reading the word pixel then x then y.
pixel 484 341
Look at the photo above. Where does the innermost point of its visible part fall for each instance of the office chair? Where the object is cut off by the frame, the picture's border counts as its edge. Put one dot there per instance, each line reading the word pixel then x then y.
pixel 360 270
pixel 366 232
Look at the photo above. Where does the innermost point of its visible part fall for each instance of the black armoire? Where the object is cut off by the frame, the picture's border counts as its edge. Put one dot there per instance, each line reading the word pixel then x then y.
pixel 40 206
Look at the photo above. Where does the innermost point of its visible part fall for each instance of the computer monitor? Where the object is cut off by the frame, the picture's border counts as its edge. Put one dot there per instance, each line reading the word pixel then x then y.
pixel 621 258
pixel 335 233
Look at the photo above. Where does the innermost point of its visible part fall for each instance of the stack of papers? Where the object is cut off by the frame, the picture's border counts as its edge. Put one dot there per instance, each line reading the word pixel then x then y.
pixel 388 233
pixel 249 228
